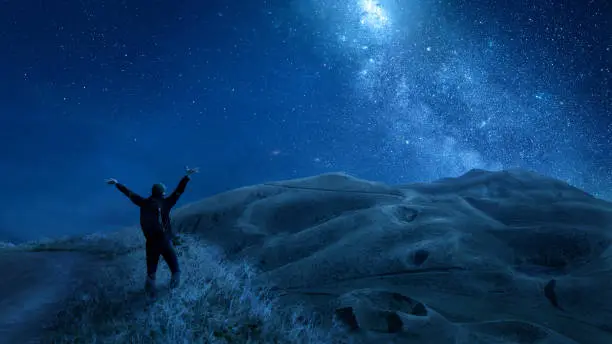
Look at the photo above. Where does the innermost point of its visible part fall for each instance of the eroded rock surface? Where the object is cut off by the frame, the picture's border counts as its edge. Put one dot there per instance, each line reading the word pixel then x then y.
pixel 489 257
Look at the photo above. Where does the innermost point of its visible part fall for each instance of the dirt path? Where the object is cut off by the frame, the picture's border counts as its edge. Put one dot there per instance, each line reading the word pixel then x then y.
pixel 32 288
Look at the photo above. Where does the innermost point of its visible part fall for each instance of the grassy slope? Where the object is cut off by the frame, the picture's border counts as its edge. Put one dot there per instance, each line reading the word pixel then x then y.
pixel 216 302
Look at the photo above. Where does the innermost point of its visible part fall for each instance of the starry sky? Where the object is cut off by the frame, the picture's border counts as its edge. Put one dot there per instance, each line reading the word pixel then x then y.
pixel 255 91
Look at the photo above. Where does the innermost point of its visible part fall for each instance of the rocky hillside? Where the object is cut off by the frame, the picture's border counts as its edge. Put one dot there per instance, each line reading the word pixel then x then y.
pixel 489 257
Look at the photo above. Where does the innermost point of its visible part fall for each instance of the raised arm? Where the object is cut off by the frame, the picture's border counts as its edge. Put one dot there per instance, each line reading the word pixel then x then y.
pixel 176 194
pixel 134 197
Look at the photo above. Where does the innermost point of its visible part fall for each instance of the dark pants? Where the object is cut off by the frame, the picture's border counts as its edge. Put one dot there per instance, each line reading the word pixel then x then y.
pixel 164 248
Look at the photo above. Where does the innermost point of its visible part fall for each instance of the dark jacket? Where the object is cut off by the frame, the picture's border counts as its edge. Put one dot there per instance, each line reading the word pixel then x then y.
pixel 155 211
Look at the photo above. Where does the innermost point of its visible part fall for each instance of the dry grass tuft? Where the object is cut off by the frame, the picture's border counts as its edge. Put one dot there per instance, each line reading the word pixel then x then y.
pixel 216 303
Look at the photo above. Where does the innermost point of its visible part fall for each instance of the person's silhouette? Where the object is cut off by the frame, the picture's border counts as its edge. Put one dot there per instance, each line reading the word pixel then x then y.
pixel 155 224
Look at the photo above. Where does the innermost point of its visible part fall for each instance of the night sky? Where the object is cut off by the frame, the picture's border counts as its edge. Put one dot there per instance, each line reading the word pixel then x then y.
pixel 253 91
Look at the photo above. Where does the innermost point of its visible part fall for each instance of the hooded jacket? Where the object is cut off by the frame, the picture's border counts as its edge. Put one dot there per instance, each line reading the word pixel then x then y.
pixel 155 211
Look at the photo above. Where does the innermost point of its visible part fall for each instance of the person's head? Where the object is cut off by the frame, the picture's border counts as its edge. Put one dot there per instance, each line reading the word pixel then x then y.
pixel 158 190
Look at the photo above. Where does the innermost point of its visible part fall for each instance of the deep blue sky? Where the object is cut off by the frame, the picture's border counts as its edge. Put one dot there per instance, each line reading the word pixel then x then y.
pixel 253 91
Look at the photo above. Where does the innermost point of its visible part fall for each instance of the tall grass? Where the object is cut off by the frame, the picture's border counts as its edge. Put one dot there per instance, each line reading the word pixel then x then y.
pixel 217 302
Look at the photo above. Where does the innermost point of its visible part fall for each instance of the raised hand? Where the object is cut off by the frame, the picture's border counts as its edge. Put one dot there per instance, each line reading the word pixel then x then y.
pixel 111 181
pixel 190 171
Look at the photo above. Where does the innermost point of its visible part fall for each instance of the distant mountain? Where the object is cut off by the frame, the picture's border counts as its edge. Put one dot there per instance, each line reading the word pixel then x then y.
pixel 7 237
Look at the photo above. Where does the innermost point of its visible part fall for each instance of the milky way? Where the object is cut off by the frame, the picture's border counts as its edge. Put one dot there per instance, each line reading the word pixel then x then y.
pixel 398 91
pixel 449 101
